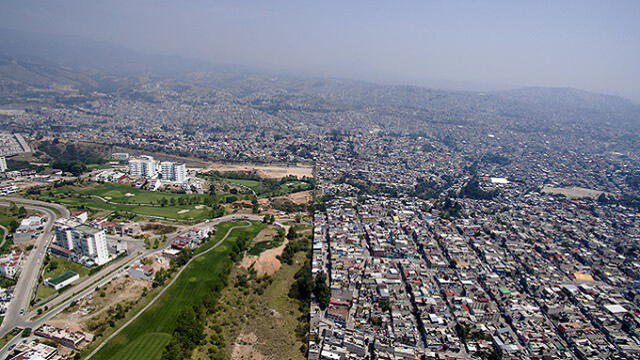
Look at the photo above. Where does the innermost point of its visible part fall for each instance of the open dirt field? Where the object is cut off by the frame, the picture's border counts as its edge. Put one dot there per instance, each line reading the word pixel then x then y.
pixel 118 291
pixel 573 192
pixel 266 171
pixel 302 197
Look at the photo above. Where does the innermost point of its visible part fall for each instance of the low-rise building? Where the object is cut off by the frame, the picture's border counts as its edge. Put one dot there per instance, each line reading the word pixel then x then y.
pixel 62 280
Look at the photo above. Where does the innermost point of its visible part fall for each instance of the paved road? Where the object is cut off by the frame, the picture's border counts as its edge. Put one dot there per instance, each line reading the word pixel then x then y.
pixel 30 270
pixel 61 210
pixel 115 333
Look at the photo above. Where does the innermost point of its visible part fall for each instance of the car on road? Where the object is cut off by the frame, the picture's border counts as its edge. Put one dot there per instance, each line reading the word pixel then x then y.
pixel 21 311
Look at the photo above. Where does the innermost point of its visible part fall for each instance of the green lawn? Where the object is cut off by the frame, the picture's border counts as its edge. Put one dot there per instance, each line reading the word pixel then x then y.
pixel 252 184
pixel 61 266
pixel 123 194
pixel 171 212
pixel 153 329
pixel 116 194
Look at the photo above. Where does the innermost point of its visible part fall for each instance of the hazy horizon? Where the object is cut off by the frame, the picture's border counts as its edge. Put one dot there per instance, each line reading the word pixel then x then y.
pixel 469 45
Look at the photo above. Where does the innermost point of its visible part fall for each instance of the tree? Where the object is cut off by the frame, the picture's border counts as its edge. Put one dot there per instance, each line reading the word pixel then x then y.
pixel 321 290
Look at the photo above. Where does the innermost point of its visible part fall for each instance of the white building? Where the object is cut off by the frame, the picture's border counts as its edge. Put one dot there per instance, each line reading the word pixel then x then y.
pixel 173 171
pixel 10 264
pixel 3 164
pixel 62 280
pixel 82 240
pixel 143 167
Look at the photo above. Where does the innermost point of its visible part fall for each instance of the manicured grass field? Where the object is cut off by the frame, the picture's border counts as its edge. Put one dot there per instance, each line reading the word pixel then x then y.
pixel 171 212
pixel 147 346
pixel 153 329
pixel 122 194
pixel 125 198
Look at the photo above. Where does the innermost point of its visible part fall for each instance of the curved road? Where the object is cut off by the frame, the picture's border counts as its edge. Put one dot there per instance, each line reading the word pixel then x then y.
pixel 61 210
pixel 115 333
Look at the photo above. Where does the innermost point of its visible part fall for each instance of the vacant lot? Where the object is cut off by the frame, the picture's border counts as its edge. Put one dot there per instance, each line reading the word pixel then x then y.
pixel 573 192
pixel 153 329
pixel 266 171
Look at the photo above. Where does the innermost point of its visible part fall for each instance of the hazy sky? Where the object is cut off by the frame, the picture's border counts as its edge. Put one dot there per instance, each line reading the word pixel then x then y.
pixel 593 45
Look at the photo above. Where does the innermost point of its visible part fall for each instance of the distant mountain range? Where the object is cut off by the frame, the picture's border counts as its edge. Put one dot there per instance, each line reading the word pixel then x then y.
pixel 30 60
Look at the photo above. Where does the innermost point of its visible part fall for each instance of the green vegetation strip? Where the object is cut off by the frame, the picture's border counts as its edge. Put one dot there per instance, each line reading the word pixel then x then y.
pixel 153 330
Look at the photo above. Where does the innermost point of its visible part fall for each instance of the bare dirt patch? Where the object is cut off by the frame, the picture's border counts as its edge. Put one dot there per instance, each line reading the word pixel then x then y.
pixel 267 262
pixel 302 197
pixel 266 171
pixel 91 309
pixel 573 192
pixel 243 348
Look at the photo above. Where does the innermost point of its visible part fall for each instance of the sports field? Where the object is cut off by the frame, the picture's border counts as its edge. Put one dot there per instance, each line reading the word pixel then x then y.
pixel 146 337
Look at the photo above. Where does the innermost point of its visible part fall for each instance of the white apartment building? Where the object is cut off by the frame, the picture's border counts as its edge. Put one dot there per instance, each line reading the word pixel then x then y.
pixel 173 171
pixel 143 167
pixel 82 240
pixel 3 164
